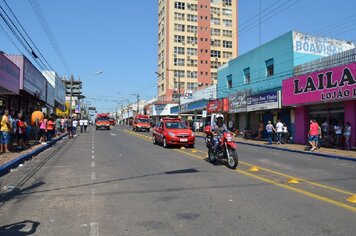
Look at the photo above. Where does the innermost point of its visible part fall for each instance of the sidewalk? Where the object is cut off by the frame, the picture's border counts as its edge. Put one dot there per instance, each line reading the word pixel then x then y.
pixel 324 152
pixel 13 159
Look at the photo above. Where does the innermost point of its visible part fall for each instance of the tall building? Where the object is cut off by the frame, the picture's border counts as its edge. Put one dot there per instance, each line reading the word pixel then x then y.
pixel 195 37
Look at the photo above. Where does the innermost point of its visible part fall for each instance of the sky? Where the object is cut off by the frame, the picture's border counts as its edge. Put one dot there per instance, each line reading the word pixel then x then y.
pixel 119 38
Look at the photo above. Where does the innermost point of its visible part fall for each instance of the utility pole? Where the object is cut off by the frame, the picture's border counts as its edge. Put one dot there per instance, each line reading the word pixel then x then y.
pixel 71 95
pixel 179 95
pixel 138 102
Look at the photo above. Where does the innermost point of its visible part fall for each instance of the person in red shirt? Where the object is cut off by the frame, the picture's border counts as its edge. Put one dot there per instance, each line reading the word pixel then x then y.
pixel 50 129
pixel 313 134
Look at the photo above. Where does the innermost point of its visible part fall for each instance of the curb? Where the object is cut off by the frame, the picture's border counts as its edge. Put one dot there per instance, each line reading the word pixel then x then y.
pixel 4 169
pixel 295 151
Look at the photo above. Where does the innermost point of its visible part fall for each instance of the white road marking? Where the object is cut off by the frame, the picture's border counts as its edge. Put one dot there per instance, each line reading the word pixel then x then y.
pixel 92 156
pixel 94 229
pixel 92 164
pixel 93 176
pixel 345 165
pixel 93 151
pixel 112 134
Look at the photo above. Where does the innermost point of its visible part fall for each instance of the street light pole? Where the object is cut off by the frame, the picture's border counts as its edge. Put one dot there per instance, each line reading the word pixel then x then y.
pixel 71 96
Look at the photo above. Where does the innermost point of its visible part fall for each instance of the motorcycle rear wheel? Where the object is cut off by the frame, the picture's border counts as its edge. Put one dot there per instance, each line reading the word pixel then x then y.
pixel 233 161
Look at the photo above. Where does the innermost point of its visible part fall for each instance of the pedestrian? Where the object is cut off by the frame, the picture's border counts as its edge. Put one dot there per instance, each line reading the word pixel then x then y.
pixel 69 125
pixel 319 141
pixel 338 134
pixel 28 130
pixel 75 125
pixel 20 131
pixel 347 135
pixel 279 128
pixel 5 132
pixel 50 129
pixel 81 125
pixel 13 121
pixel 231 126
pixel 270 129
pixel 285 134
pixel 86 122
pixel 43 130
pixel 63 124
pixel 313 134
pixel 196 126
pixel 58 126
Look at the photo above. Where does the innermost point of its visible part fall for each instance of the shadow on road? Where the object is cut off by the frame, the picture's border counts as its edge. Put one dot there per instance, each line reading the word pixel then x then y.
pixel 17 191
pixel 26 227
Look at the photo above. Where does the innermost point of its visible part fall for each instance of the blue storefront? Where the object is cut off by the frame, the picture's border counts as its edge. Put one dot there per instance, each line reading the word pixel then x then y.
pixel 261 71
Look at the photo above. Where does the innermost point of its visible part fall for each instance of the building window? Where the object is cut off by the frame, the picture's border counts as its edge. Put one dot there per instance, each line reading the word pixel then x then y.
pixel 270 67
pixel 192 18
pixel 179 39
pixel 192 74
pixel 227 3
pixel 192 7
pixel 215 64
pixel 247 77
pixel 179 27
pixel 214 53
pixel 227 22
pixel 215 32
pixel 215 21
pixel 227 44
pixel 214 75
pixel 227 55
pixel 179 73
pixel 215 10
pixel 192 51
pixel 178 50
pixel 215 43
pixel 179 5
pixel 179 62
pixel 192 29
pixel 192 40
pixel 162 87
pixel 229 81
pixel 191 86
pixel 192 63
pixel 227 12
pixel 178 16
pixel 227 33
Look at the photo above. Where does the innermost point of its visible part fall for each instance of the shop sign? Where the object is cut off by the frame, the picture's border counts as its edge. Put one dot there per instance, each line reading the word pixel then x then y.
pixel 337 83
pixel 33 81
pixel 263 101
pixel 320 46
pixel 237 103
pixel 9 76
pixel 219 105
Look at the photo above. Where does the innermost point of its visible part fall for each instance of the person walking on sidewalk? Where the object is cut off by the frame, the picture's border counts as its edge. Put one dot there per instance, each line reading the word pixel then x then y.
pixel 313 134
pixel 50 129
pixel 81 124
pixel 270 129
pixel 5 132
pixel 69 125
pixel 279 128
pixel 20 132
pixel 75 125
pixel 347 135
pixel 338 134
pixel 86 122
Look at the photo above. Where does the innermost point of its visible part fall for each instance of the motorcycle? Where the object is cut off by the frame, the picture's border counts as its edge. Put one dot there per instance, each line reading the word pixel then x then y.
pixel 227 149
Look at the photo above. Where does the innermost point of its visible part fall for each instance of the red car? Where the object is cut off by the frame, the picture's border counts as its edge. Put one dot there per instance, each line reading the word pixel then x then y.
pixel 173 132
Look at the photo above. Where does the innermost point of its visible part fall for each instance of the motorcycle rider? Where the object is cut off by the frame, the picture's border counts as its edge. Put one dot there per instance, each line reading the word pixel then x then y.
pixel 218 128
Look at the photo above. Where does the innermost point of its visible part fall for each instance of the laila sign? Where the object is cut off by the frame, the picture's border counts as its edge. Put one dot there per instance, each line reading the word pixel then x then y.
pixel 338 83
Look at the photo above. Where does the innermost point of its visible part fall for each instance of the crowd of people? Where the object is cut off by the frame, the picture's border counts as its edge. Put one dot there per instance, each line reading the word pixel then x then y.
pixel 17 130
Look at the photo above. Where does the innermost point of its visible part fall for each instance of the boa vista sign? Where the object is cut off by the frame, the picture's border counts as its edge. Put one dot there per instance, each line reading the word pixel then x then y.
pixel 337 83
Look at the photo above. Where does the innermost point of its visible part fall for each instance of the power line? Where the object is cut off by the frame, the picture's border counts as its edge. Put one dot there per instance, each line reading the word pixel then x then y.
pixel 44 23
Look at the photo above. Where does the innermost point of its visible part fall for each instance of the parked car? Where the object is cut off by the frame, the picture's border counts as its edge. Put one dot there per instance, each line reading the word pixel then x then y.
pixel 173 132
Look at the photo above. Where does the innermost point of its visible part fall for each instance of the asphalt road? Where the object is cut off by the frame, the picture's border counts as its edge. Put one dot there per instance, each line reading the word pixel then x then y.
pixel 118 183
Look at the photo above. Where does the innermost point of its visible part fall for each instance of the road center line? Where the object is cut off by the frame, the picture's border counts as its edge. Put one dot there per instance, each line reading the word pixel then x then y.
pixel 93 176
pixel 94 229
pixel 92 156
pixel 92 164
